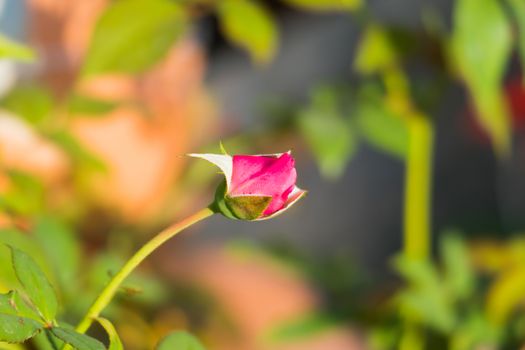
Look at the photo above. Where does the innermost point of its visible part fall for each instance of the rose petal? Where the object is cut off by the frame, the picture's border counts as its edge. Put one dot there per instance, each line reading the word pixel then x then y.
pixel 224 162
pixel 293 198
pixel 264 176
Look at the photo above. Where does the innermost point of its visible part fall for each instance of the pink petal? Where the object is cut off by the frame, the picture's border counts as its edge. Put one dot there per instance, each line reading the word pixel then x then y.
pixel 293 198
pixel 265 176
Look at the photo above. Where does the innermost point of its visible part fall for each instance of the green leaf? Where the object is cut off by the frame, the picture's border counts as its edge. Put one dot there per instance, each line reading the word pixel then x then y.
pixel 249 25
pixel 16 329
pixel 424 297
pixel 418 273
pixel 518 10
pixel 459 274
pixel 80 155
pixel 133 35
pixel 375 52
pixel 429 308
pixel 180 341
pixel 114 340
pixel 480 47
pixel 383 129
pixel 8 346
pixel 301 328
pixel 326 5
pixel 61 248
pixel 33 103
pixel 25 196
pixel 11 49
pixel 35 283
pixel 77 340
pixel 85 105
pixel 13 304
pixel 328 134
pixel 22 241
pixel 505 295
pixel 41 341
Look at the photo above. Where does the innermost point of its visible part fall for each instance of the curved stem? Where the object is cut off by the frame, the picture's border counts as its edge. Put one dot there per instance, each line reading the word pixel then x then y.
pixel 112 287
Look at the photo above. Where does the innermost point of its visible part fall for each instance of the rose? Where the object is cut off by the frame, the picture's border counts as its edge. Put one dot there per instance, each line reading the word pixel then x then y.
pixel 256 187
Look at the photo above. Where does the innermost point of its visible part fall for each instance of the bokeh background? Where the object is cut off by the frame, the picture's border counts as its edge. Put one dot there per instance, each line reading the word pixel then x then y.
pixel 407 121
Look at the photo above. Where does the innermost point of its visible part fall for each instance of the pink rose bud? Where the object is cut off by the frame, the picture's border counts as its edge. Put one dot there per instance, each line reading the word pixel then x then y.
pixel 256 187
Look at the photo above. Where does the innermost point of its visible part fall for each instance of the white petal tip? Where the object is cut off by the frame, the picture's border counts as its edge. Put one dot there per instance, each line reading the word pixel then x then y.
pixel 223 162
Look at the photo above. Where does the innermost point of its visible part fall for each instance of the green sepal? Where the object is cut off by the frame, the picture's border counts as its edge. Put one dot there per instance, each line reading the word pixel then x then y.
pixel 248 207
pixel 219 205
pixel 239 207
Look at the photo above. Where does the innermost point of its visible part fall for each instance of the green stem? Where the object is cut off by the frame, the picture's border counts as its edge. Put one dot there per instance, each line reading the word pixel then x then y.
pixel 112 287
pixel 51 340
pixel 417 228
pixel 418 180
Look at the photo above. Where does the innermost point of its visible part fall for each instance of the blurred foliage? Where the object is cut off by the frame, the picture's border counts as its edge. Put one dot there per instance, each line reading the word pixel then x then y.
pixel 156 25
pixel 14 50
pixel 33 103
pixel 480 48
pixel 328 134
pixel 518 12
pixel 180 340
pixel 452 303
pixel 249 25
pixel 326 5
pixel 472 298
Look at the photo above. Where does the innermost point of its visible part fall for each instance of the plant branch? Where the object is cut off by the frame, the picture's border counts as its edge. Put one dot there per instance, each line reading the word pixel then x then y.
pixel 112 287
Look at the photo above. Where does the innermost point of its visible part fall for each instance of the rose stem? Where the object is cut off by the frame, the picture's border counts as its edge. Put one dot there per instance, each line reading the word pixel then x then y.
pixel 111 288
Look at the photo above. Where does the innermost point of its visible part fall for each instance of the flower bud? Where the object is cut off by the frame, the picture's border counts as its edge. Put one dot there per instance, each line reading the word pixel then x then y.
pixel 256 187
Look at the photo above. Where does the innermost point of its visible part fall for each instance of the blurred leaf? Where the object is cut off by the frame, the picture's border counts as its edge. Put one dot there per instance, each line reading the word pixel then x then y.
pixel 424 298
pixel 133 35
pixel 114 340
pixel 418 273
pixel 375 52
pixel 85 105
pixel 249 25
pixel 7 346
pixel 25 194
pixel 15 329
pixel 61 248
pixel 427 307
pixel 328 134
pixel 77 340
pixel 382 128
pixel 480 48
pixel 79 154
pixel 518 10
pixel 475 332
pixel 506 294
pixel 326 5
pixel 35 284
pixel 181 341
pixel 459 275
pixel 11 49
pixel 13 304
pixel 300 328
pixel 33 103
pixel 383 338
